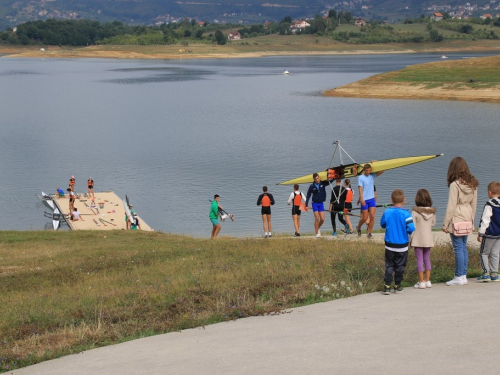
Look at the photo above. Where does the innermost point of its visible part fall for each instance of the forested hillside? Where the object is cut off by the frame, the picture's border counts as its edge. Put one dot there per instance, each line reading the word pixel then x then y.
pixel 149 12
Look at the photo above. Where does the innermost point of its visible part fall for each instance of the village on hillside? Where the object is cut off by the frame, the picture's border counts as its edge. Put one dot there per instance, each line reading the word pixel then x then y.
pixel 42 10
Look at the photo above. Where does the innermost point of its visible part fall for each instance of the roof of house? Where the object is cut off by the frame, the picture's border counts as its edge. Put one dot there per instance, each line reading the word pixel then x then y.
pixel 437 14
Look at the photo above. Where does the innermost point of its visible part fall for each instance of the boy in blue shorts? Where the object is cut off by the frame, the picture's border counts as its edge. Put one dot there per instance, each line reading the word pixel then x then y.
pixel 398 224
pixel 318 192
pixel 214 216
pixel 366 187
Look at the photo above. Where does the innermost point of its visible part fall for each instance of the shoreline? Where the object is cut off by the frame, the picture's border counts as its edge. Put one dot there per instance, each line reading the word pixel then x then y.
pixel 470 81
pixel 210 52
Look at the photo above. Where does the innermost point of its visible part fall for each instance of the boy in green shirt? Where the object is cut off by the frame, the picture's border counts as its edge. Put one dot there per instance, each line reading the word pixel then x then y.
pixel 214 216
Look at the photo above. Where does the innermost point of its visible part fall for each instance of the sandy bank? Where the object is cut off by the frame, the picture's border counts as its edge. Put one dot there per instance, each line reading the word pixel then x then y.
pixel 467 80
pixel 205 51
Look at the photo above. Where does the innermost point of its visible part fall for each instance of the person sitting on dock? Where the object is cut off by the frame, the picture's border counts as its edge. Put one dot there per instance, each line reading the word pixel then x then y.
pixel 76 215
pixel 60 192
pixel 135 222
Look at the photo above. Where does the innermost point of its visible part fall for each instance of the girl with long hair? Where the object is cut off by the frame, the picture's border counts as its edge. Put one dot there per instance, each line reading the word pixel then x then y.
pixel 462 202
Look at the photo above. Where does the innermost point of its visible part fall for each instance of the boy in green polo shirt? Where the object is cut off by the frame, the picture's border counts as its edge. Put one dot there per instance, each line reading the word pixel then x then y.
pixel 214 216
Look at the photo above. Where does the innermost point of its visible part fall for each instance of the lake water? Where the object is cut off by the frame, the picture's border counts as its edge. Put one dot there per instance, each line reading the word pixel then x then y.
pixel 172 133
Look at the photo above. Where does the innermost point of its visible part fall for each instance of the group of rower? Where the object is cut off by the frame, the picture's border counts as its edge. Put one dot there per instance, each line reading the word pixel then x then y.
pixel 405 228
pixel 340 203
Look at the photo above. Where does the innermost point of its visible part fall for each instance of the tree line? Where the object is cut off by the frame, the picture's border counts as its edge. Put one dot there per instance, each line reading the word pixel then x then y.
pixel 87 32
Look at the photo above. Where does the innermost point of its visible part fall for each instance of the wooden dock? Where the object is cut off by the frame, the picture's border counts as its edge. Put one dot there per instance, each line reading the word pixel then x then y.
pixel 104 212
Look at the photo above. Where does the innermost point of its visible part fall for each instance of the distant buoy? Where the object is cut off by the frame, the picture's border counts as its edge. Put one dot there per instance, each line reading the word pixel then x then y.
pixel 444 57
pixel 286 72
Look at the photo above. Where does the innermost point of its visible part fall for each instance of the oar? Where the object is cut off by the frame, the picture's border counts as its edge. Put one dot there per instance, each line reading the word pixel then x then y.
pixel 105 221
pixel 102 221
pixel 96 223
pixel 346 213
pixel 91 209
pixel 380 205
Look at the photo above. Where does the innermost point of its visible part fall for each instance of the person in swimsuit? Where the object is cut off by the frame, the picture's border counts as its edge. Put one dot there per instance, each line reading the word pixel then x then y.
pixel 71 199
pixel 90 186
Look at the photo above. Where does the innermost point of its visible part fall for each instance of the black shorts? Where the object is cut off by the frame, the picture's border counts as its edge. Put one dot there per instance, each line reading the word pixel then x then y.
pixel 91 186
pixel 266 210
pixel 296 210
pixel 348 206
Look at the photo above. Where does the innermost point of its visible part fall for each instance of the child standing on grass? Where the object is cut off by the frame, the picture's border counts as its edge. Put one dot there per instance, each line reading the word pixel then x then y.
pixel 489 235
pixel 424 218
pixel 398 225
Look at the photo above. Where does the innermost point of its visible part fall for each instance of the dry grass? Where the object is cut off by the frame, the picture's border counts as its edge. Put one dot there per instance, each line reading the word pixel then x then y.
pixel 64 292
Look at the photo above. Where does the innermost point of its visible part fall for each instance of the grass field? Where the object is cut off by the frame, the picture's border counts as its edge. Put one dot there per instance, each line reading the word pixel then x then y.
pixel 452 75
pixel 64 292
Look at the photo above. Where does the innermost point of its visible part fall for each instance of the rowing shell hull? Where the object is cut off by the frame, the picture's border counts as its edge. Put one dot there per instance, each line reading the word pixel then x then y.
pixel 377 166
pixel 56 223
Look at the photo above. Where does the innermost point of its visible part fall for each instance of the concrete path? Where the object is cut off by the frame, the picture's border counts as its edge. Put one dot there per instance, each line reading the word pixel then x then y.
pixel 442 330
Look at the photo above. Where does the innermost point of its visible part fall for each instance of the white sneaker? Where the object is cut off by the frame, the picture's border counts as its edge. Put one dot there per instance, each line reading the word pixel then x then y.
pixel 270 235
pixel 464 279
pixel 428 284
pixel 457 280
pixel 318 235
pixel 420 285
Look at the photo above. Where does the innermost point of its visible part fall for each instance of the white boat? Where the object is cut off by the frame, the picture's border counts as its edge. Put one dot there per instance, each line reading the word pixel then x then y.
pixel 286 72
pixel 48 200
pixel 444 57
pixel 55 219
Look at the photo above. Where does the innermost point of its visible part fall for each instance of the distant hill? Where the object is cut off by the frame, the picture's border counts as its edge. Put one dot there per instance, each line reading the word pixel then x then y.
pixel 13 12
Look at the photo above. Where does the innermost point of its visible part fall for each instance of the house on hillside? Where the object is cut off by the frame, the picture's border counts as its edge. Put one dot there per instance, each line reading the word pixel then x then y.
pixel 298 25
pixel 234 36
pixel 436 16
pixel 359 22
pixel 486 15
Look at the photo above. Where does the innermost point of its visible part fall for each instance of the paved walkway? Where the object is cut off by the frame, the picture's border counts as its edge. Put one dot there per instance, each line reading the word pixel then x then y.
pixel 443 330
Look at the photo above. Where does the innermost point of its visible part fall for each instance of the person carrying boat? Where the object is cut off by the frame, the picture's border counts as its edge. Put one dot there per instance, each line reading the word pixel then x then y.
pixel 367 198
pixel 317 190
pixel 348 206
pixel 337 205
pixel 296 197
pixel 266 200
pixel 214 216
pixel 90 186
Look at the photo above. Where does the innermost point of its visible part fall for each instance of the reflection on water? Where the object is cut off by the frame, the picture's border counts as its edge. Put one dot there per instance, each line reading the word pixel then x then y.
pixel 171 134
pixel 159 74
